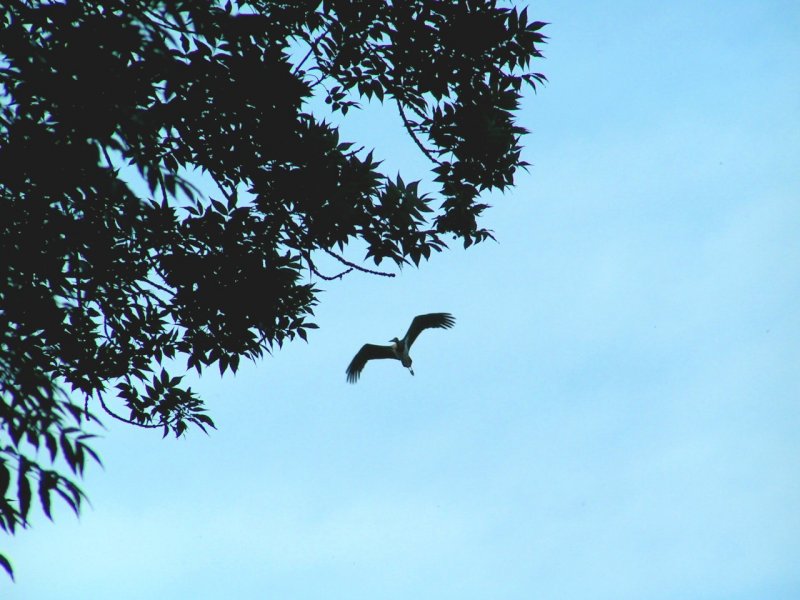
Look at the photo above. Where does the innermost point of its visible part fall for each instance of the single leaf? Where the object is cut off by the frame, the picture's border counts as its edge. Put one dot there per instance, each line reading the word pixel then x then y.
pixel 5 478
pixel 23 493
pixel 4 562
pixel 45 487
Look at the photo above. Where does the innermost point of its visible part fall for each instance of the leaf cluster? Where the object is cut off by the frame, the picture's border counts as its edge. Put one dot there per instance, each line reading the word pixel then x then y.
pixel 106 285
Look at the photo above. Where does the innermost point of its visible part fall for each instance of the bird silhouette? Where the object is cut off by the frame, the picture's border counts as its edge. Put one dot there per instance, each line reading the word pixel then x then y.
pixel 398 349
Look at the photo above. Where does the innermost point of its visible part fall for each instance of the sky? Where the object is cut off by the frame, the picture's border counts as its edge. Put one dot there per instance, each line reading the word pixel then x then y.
pixel 615 415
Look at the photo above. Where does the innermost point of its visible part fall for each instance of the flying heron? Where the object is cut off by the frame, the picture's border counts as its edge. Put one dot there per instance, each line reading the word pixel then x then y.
pixel 398 348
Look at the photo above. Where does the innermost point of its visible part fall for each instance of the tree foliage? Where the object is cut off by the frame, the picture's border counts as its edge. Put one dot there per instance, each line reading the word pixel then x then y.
pixel 103 287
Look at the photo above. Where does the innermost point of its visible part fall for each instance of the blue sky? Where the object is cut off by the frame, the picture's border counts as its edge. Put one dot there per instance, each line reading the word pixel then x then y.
pixel 615 414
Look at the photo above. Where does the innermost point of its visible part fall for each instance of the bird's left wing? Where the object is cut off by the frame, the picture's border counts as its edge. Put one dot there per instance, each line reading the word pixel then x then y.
pixel 367 352
pixel 441 320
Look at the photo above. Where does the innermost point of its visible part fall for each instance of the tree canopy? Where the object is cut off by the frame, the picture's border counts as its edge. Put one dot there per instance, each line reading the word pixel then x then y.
pixel 104 285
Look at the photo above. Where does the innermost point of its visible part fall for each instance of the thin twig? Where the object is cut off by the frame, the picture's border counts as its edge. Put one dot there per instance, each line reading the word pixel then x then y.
pixel 313 269
pixel 413 135
pixel 159 286
pixel 311 50
pixel 124 420
pixel 344 261
pixel 108 158
pixel 297 229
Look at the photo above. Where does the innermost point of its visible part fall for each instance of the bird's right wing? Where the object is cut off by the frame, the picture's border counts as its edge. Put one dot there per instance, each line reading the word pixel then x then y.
pixel 441 320
pixel 367 352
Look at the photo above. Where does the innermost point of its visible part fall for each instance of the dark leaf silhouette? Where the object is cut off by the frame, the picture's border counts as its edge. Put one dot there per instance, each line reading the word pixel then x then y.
pixel 6 566
pixel 118 274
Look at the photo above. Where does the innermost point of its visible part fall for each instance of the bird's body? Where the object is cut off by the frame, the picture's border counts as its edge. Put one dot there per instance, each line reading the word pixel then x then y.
pixel 399 348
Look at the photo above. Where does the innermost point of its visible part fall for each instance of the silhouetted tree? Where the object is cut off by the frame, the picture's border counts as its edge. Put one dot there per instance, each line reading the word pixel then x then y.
pixel 101 285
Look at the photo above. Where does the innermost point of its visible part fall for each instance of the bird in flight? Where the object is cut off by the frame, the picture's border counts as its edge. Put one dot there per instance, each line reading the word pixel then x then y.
pixel 398 348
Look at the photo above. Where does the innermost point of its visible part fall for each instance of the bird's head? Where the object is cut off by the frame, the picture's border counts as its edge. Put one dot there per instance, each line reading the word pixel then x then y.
pixel 395 341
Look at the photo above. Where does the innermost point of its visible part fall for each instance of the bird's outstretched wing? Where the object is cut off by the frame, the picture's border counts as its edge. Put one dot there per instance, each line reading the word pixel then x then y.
pixel 441 320
pixel 367 352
